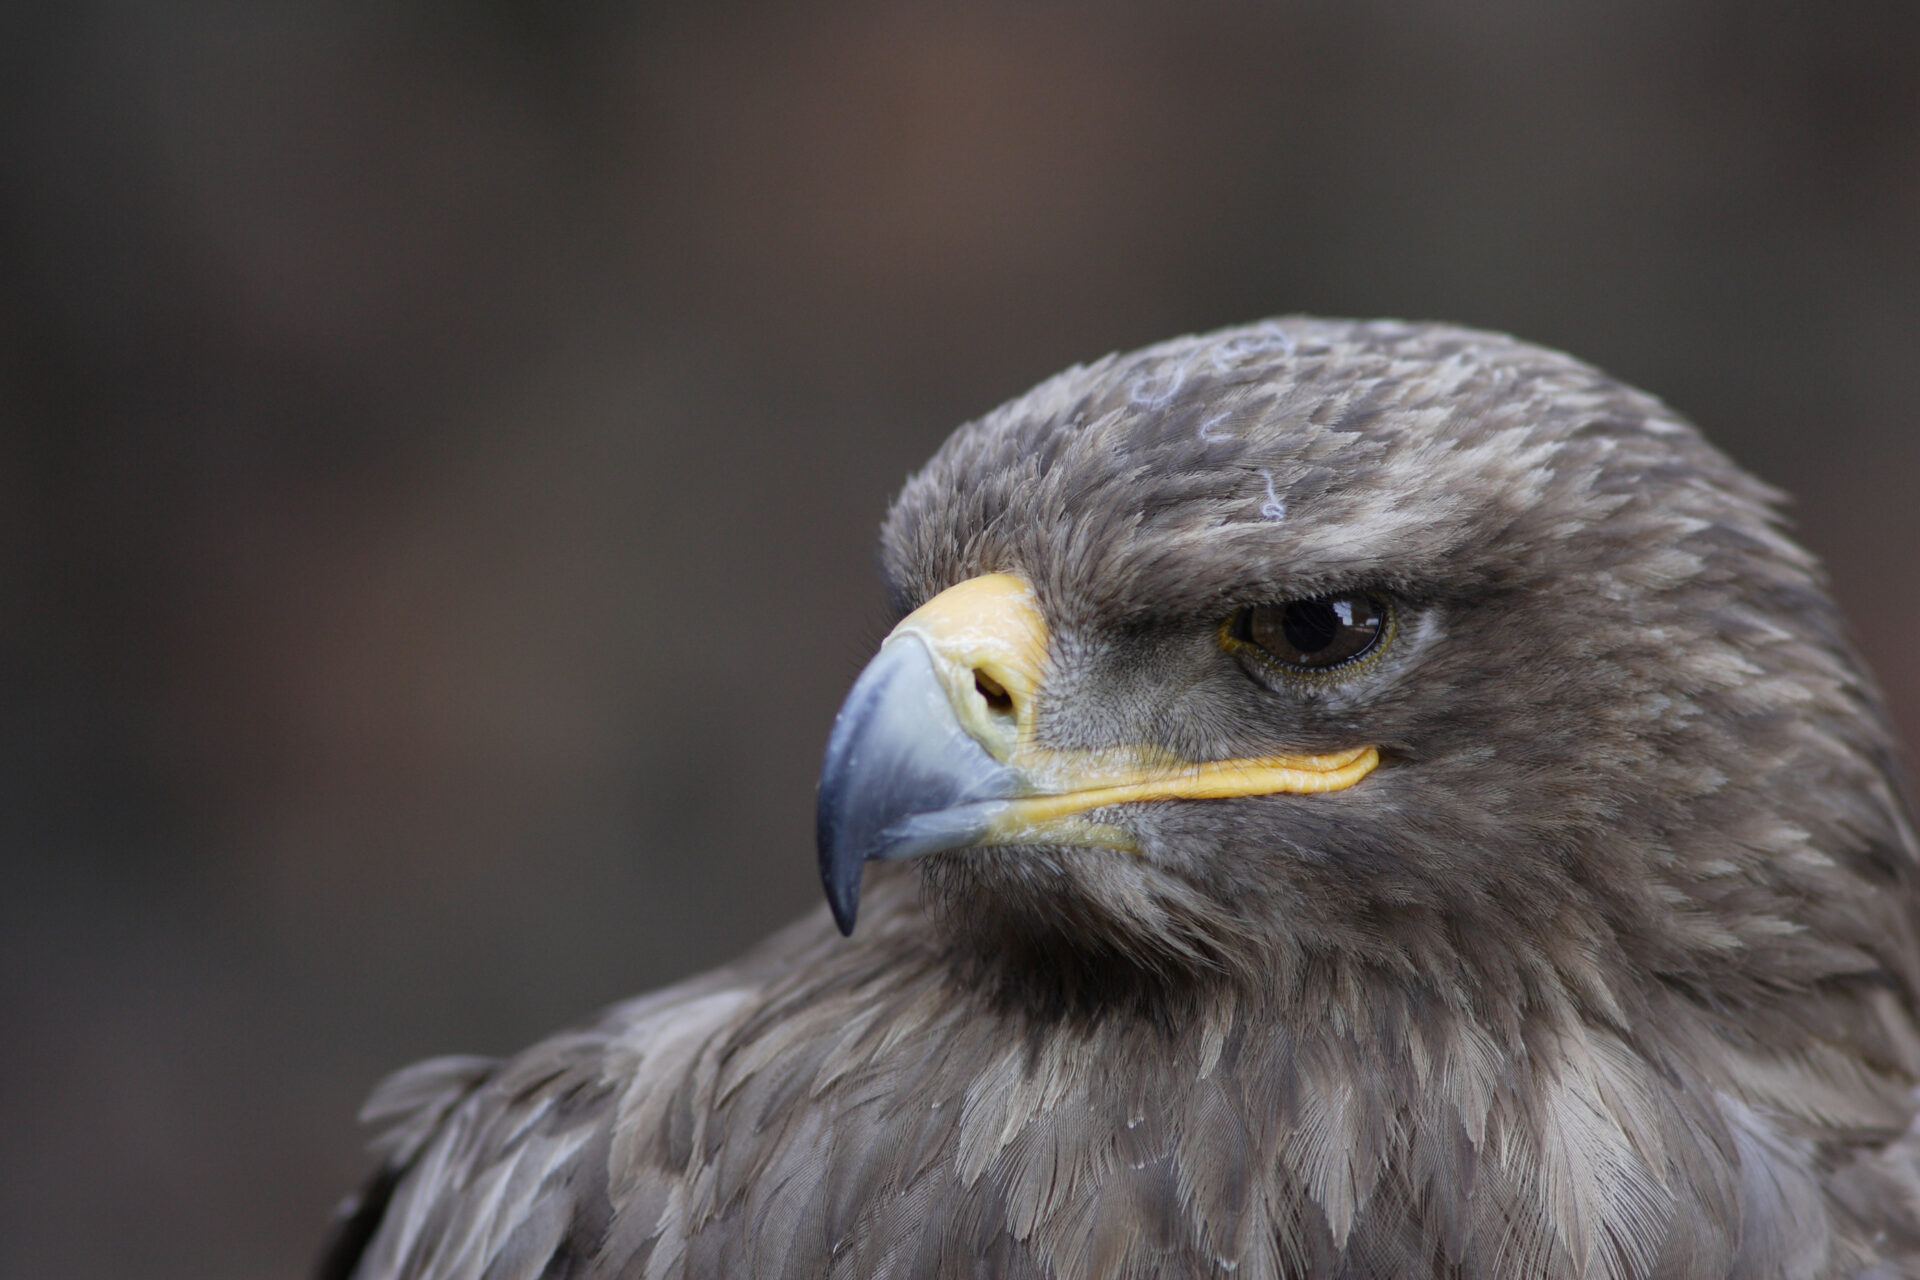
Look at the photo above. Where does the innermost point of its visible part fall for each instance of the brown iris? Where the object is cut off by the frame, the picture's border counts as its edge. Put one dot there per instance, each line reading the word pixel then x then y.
pixel 1314 635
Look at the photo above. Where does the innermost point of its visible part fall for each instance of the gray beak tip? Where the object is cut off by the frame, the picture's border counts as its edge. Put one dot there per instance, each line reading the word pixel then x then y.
pixel 844 911
pixel 901 776
pixel 839 868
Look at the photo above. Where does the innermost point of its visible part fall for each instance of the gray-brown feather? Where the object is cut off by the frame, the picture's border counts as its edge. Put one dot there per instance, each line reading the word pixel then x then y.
pixel 1609 971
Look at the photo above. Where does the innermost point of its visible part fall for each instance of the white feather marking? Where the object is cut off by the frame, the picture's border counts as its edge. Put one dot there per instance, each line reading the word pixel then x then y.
pixel 1152 390
pixel 1273 507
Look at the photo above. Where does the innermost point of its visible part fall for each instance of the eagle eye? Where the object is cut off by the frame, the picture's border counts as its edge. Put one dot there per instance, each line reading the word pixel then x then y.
pixel 1315 635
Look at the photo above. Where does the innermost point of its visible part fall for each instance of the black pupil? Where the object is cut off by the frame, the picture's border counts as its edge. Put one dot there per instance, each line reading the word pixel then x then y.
pixel 1312 625
pixel 1316 634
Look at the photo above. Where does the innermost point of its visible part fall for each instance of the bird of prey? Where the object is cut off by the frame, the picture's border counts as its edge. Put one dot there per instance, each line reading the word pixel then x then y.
pixel 1342 799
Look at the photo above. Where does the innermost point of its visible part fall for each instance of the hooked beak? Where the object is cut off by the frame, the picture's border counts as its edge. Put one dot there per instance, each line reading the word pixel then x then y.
pixel 935 749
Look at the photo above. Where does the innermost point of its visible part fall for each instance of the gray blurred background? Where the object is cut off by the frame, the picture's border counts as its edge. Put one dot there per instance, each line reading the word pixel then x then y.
pixel 440 446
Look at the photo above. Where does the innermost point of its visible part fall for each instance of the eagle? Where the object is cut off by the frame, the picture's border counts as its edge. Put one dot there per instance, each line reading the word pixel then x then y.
pixel 1342 799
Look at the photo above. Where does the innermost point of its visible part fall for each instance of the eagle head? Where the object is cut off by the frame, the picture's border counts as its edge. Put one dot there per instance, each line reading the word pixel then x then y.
pixel 1336 648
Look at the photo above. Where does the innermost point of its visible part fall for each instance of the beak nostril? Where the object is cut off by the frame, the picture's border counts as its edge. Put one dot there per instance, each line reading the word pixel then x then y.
pixel 998 699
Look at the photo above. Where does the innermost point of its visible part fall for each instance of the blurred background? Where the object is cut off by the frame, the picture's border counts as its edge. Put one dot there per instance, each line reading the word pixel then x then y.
pixel 440 447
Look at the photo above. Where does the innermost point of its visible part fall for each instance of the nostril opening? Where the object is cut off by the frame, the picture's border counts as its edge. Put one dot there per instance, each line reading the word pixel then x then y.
pixel 998 699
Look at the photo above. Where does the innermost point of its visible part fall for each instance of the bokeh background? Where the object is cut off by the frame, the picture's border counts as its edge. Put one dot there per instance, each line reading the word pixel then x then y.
pixel 440 446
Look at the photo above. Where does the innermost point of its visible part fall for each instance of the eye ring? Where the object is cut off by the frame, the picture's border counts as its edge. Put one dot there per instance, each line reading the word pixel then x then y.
pixel 1313 636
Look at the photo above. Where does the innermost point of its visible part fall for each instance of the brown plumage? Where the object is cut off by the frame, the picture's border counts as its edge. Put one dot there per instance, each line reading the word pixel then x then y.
pixel 1607 970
